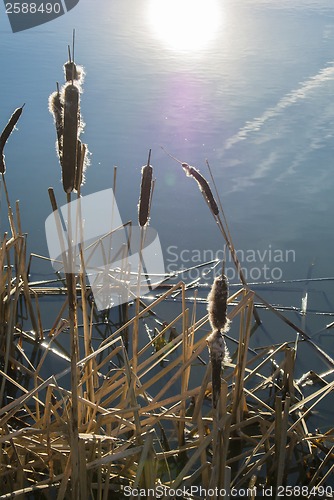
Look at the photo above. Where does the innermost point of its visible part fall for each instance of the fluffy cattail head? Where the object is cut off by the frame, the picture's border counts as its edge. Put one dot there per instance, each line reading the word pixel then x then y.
pixel 82 163
pixel 73 72
pixel 203 185
pixel 217 304
pixel 57 109
pixel 217 347
pixel 219 355
pixel 64 104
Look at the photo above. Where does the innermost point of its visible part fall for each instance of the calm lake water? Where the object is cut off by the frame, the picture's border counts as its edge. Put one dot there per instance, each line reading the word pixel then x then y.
pixel 247 84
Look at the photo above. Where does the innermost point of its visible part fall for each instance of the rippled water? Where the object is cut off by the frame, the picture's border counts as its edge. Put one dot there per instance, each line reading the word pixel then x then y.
pixel 256 100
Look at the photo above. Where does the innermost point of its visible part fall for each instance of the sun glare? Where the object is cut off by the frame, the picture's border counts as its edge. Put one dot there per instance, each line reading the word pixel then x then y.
pixel 185 24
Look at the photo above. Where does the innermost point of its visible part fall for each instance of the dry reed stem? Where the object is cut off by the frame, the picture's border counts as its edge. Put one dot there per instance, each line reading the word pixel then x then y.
pixel 143 217
pixel 186 354
pixel 244 336
pixel 72 302
pixel 304 335
pixel 317 474
pixel 19 257
pixel 86 326
pixel 282 414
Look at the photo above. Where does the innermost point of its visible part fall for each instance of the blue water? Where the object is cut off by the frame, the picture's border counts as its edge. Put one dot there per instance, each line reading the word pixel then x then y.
pixel 256 101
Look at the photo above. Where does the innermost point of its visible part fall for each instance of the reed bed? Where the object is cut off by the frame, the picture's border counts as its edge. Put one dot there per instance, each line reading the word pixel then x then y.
pixel 169 410
pixel 153 427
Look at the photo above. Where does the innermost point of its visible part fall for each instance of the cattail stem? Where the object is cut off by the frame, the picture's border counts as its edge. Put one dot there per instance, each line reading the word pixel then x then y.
pixel 72 302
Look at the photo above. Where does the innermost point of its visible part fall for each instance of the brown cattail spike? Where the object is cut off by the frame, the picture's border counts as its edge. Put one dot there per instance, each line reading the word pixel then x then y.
pixel 219 355
pixel 2 164
pixel 217 304
pixel 145 193
pixel 5 135
pixel 70 139
pixel 203 185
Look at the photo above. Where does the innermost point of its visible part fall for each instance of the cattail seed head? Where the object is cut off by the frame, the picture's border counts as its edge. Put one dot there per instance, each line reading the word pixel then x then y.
pixel 10 126
pixel 70 138
pixel 5 135
pixel 82 163
pixel 203 185
pixel 2 164
pixel 145 195
pixel 219 355
pixel 57 109
pixel 65 107
pixel 73 72
pixel 217 347
pixel 217 304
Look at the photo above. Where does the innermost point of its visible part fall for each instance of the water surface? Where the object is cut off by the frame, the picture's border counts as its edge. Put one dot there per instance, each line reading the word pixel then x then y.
pixel 255 100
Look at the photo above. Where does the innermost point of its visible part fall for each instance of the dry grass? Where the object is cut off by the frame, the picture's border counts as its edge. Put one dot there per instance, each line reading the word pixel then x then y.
pixel 157 422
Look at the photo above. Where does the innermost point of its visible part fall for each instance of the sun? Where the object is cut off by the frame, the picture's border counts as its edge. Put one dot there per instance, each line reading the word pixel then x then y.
pixel 185 25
